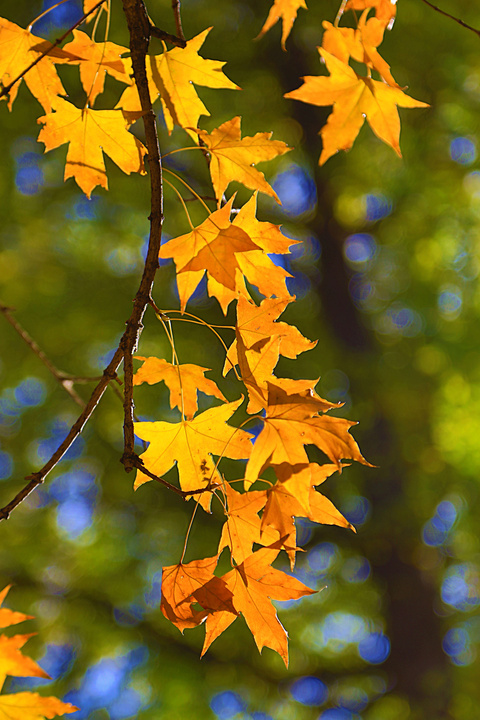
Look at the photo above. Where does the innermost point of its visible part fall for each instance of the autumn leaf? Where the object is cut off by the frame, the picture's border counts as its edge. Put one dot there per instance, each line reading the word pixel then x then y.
pixel 233 157
pixel 183 382
pixel 87 6
pixel 242 527
pixel 9 617
pixel 32 706
pixel 19 48
pixel 90 133
pixel 23 705
pixel 287 11
pixel 385 10
pixel 354 98
pixel 360 44
pixel 14 662
pixel 250 587
pixel 226 252
pixel 178 583
pixel 172 75
pixel 292 421
pixel 294 495
pixel 256 324
pixel 97 59
pixel 256 369
pixel 190 444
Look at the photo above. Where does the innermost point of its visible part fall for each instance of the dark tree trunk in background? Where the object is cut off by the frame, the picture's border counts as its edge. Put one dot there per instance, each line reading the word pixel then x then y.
pixel 417 667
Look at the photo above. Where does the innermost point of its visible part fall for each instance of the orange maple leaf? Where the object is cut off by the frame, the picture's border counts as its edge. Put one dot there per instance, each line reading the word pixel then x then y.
pixel 286 10
pixel 292 421
pixel 249 587
pixel 10 617
pixel 242 528
pixel 354 98
pixel 183 382
pixel 227 252
pixel 97 59
pixel 233 157
pixel 23 705
pixel 18 49
pixel 294 495
pixel 172 75
pixel 191 444
pixel 14 662
pixel 178 583
pixel 256 324
pixel 90 133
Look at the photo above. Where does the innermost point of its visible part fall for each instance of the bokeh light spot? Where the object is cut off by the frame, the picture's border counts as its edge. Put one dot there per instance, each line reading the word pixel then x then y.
pixel 309 690
pixel 463 150
pixel 375 648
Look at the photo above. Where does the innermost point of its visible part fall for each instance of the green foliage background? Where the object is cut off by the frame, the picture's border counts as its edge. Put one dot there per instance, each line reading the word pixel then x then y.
pixel 70 269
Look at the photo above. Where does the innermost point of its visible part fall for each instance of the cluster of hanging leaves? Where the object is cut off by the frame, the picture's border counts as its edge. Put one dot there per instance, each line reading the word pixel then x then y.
pixel 23 705
pixel 232 248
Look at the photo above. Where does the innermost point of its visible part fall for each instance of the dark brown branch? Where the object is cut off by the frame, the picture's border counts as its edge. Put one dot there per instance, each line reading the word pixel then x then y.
pixel 139 26
pixel 173 39
pixel 65 380
pixel 5 90
pixel 178 18
pixel 37 478
pixel 452 17
pixel 137 462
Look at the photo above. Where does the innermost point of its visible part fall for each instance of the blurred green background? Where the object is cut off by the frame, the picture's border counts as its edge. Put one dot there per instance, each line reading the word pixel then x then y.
pixel 386 279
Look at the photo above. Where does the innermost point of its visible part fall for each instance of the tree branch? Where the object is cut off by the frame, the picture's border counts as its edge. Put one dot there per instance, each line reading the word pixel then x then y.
pixel 139 27
pixel 178 18
pixel 66 381
pixel 452 17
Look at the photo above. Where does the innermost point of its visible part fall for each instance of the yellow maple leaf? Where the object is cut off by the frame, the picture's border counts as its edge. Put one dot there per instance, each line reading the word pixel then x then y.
pixel 385 10
pixel 354 99
pixel 97 59
pixel 190 444
pixel 32 706
pixel 90 133
pixel 172 75
pixel 18 49
pixel 286 10
pixel 183 381
pixel 10 617
pixel 233 157
pixel 242 527
pixel 226 252
pixel 256 324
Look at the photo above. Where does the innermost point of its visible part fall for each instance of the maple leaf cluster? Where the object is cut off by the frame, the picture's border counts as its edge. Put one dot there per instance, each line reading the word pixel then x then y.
pixel 232 249
pixel 23 705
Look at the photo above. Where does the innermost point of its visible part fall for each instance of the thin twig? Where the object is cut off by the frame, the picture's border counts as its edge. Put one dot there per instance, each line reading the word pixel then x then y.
pixel 37 478
pixel 137 462
pixel 178 18
pixel 452 17
pixel 7 88
pixel 65 380
pixel 139 26
pixel 173 39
